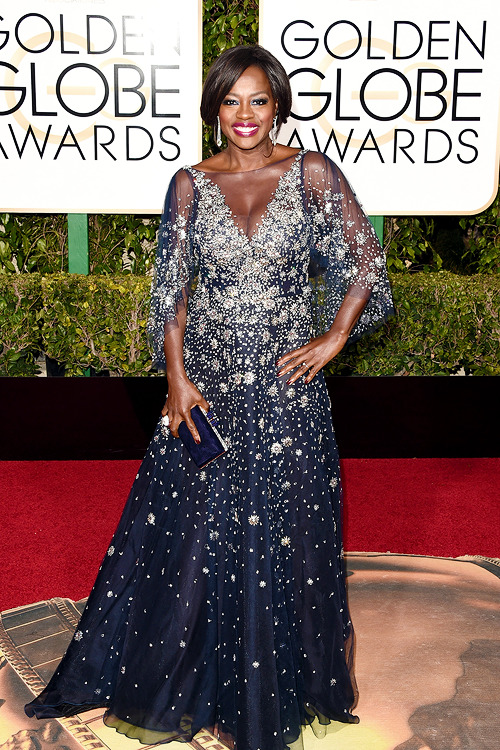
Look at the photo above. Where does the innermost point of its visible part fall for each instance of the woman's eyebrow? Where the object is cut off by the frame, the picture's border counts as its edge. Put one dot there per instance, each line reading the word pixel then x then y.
pixel 231 93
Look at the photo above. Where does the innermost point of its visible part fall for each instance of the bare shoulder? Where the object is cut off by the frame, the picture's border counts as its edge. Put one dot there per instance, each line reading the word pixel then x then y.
pixel 215 163
pixel 182 180
pixel 315 160
pixel 284 152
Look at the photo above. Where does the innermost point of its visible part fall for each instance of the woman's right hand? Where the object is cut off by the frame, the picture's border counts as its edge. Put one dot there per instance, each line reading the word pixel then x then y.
pixel 182 396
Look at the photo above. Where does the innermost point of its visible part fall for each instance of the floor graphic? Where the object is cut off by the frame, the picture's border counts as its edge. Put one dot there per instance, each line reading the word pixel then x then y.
pixel 427 663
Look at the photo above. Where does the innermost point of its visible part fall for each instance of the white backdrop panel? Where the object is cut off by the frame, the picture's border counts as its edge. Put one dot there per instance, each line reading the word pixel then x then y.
pixel 99 103
pixel 403 96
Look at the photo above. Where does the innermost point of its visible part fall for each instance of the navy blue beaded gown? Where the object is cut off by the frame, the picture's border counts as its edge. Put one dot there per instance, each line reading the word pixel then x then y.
pixel 221 600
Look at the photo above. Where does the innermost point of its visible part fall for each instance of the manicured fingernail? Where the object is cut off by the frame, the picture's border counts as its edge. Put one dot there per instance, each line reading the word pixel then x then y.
pixel 197 441
pixel 289 382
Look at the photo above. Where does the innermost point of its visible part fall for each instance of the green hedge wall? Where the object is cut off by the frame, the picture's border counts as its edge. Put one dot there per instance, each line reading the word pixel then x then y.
pixel 96 321
pixel 444 323
pixel 20 309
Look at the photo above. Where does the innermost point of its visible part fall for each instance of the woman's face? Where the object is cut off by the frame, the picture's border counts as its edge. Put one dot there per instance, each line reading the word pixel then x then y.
pixel 247 111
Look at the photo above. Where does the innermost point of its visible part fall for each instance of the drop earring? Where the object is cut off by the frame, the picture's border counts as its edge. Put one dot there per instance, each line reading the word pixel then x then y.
pixel 218 134
pixel 273 135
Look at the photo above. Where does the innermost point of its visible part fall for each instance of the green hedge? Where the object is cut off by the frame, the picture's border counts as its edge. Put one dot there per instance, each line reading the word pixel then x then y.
pixel 444 323
pixel 20 307
pixel 81 322
pixel 96 321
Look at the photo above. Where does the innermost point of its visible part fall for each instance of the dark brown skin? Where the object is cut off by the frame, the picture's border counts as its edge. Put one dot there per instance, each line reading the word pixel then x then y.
pixel 314 356
pixel 182 393
pixel 250 101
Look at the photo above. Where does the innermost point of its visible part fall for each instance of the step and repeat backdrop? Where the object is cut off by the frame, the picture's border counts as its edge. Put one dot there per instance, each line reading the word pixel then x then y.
pixel 99 102
pixel 403 96
pixel 99 99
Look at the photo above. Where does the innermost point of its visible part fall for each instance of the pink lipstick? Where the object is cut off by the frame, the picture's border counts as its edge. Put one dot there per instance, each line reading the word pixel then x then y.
pixel 245 129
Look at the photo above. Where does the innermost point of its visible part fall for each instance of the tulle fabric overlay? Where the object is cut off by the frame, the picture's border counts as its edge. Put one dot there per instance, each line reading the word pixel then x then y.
pixel 176 262
pixel 221 601
pixel 346 256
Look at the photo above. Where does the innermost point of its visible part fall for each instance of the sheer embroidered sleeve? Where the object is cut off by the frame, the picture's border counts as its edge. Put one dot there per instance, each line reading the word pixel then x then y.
pixel 176 261
pixel 346 256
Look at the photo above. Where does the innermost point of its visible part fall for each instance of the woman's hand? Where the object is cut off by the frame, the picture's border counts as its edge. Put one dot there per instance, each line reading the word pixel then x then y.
pixel 309 359
pixel 182 396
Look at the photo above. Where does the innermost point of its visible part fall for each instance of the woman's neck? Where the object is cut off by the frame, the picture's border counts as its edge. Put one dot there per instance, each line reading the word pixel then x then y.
pixel 233 159
pixel 246 160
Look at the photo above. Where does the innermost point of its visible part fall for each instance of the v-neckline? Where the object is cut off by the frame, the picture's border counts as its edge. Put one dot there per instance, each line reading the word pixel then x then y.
pixel 232 216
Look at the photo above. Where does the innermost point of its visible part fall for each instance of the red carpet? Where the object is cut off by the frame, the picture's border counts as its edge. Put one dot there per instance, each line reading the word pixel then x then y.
pixel 58 516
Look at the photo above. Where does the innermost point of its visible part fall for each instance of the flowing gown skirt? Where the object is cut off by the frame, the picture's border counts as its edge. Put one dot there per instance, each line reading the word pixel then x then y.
pixel 221 599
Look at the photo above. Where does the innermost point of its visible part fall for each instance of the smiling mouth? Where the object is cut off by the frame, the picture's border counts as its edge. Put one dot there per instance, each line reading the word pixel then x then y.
pixel 245 131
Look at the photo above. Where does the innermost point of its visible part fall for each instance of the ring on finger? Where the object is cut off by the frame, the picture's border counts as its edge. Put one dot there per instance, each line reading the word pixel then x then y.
pixel 165 422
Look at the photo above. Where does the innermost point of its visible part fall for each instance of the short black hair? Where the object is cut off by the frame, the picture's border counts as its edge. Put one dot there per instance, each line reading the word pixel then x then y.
pixel 229 66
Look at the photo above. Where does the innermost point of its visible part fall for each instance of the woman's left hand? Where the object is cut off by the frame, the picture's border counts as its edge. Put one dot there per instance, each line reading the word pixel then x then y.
pixel 309 359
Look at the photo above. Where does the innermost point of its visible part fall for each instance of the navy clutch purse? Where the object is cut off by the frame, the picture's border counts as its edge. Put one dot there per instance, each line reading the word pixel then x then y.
pixel 212 443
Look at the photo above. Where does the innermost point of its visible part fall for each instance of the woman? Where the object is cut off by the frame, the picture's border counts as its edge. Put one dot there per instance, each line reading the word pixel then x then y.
pixel 221 601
